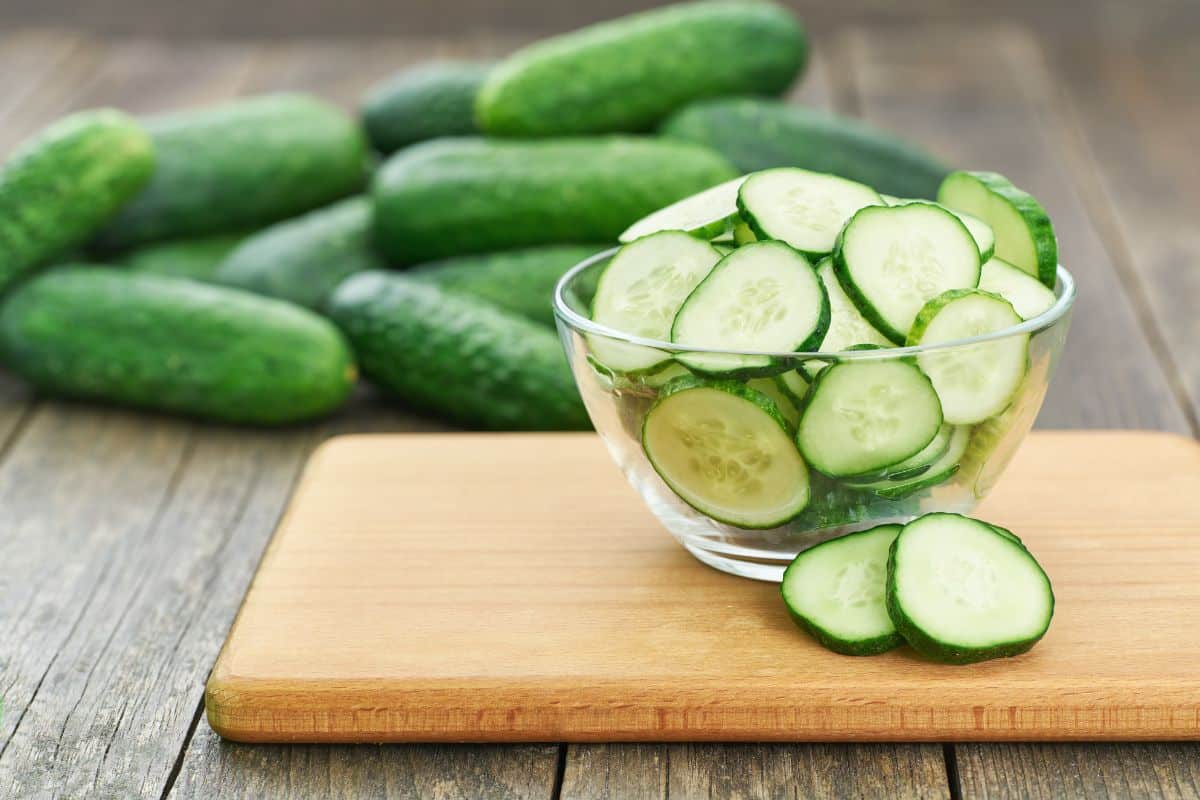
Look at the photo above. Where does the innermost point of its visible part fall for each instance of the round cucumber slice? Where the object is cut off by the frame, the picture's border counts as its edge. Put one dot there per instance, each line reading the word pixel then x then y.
pixel 640 292
pixel 704 215
pixel 804 209
pixel 973 381
pixel 836 592
pixel 847 326
pixel 959 591
pixel 863 416
pixel 892 259
pixel 1024 234
pixel 725 450
pixel 1029 297
pixel 981 232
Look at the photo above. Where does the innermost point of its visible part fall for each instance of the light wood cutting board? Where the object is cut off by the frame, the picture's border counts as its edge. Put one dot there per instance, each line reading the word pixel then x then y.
pixel 467 587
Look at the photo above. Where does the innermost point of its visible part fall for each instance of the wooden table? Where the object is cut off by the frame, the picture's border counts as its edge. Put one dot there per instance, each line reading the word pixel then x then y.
pixel 127 540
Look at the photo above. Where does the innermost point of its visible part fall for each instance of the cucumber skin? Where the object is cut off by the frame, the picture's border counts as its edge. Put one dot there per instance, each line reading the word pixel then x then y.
pixel 302 260
pixel 757 134
pixel 458 196
pixel 197 258
pixel 60 186
pixel 938 651
pixel 1044 238
pixel 863 647
pixel 426 102
pixel 627 74
pixel 171 344
pixel 935 305
pixel 520 281
pixel 457 357
pixel 240 166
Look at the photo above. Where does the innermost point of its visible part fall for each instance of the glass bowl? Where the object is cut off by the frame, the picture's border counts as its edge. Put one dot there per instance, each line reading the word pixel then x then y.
pixel 618 403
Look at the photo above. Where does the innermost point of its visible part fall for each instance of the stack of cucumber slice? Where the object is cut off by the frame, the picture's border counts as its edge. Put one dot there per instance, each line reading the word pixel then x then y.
pixel 731 281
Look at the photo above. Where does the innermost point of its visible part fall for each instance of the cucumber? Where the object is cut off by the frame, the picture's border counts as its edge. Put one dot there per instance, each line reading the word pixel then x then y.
pixel 241 166
pixel 725 450
pixel 425 102
pixel 1024 235
pixel 836 592
pixel 706 215
pixel 196 258
pixel 454 356
pixel 742 234
pixel 793 383
pixel 170 344
pixel 974 381
pixel 640 292
pixel 783 403
pixel 865 415
pixel 761 297
pixel 629 73
pixel 303 259
pixel 891 260
pixel 960 592
pixel 457 196
pixel 981 232
pixel 57 188
pixel 941 470
pixel 1029 296
pixel 911 467
pixel 847 326
pixel 804 209
pixel 521 281
pixel 757 134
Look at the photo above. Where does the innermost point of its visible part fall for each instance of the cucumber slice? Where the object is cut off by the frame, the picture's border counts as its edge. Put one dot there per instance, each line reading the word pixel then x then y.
pixel 742 234
pixel 704 215
pixel 940 471
pixel 761 297
pixel 973 381
pixel 1029 297
pixel 726 451
pixel 910 467
pixel 981 232
pixel 847 327
pixel 836 592
pixel 794 385
pixel 786 406
pixel 805 209
pixel 891 260
pixel 640 292
pixel 1024 235
pixel 960 592
pixel 863 416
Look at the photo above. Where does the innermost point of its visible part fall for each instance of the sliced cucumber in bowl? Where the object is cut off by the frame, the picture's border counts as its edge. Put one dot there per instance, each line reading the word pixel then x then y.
pixel 1029 296
pixel 938 472
pixel 804 209
pixel 705 215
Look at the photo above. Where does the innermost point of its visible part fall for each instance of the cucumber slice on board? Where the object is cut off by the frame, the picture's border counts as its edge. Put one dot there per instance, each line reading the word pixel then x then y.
pixel 705 215
pixel 761 297
pixel 786 406
pixel 979 380
pixel 863 416
pixel 940 471
pixel 804 209
pixel 959 591
pixel 1028 295
pixel 891 260
pixel 1024 235
pixel 726 451
pixel 836 591
pixel 640 292
pixel 981 232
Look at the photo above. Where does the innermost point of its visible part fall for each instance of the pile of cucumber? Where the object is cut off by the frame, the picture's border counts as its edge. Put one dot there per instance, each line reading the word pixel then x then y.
pixel 734 280
pixel 176 262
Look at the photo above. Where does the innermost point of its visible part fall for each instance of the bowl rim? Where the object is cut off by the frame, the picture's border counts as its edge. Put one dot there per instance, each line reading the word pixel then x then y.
pixel 1064 291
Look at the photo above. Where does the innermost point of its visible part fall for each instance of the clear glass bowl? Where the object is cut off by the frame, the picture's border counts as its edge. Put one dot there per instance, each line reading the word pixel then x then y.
pixel 618 404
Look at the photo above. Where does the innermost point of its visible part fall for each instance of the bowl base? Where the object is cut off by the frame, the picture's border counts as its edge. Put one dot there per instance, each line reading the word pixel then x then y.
pixel 770 571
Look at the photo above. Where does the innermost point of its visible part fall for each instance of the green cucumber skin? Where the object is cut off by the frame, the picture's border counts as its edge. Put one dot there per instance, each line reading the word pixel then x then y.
pixel 520 281
pixel 936 650
pixel 458 196
pixel 757 134
pixel 629 73
pixel 171 344
pixel 426 102
pixel 455 356
pixel 59 187
pixel 196 258
pixel 240 166
pixel 303 259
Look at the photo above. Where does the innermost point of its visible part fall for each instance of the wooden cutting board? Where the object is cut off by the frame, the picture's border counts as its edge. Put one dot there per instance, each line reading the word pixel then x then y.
pixel 466 587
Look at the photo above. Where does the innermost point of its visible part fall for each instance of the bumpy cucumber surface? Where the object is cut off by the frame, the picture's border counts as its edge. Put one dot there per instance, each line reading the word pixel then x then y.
pixel 425 102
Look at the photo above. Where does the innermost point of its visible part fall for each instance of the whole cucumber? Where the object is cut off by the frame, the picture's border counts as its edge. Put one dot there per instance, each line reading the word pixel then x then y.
pixel 196 258
pixel 424 102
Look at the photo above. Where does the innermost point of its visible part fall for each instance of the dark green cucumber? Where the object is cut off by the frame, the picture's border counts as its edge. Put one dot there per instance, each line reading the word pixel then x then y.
pixel 305 258
pixel 425 102
pixel 458 196
pixel 455 356
pixel 171 344
pixel 196 258
pixel 57 188
pixel 521 281
pixel 627 74
pixel 756 134
pixel 240 166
